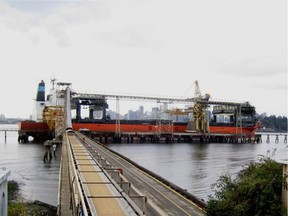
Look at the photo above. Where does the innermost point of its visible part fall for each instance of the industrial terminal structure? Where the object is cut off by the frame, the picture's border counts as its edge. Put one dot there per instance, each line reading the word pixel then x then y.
pixel 227 122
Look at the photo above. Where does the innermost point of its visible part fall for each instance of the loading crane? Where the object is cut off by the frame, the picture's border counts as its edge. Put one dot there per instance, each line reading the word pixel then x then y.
pixel 197 106
pixel 199 121
pixel 200 110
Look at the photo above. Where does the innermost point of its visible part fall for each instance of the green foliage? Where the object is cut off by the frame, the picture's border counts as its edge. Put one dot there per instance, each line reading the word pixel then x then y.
pixel 16 209
pixel 17 205
pixel 14 206
pixel 276 123
pixel 13 190
pixel 256 191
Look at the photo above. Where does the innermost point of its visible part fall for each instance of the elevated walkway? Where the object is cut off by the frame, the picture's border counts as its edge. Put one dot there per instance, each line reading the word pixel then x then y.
pixel 102 195
pixel 92 182
pixel 86 188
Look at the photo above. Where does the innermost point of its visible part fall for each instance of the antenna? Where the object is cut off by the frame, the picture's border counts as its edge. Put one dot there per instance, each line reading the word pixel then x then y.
pixel 53 80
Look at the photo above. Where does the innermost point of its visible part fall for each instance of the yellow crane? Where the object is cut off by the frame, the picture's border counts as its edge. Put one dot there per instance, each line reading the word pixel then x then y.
pixel 199 121
pixel 50 114
pixel 200 110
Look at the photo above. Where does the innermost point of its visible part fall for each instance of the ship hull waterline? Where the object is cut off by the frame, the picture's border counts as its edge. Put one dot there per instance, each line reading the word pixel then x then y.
pixel 38 129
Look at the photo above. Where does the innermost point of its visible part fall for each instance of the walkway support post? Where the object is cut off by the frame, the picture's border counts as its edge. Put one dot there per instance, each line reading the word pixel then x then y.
pixel 284 163
pixel 4 191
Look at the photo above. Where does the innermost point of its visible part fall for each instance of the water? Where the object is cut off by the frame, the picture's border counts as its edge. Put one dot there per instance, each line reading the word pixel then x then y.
pixel 38 180
pixel 194 167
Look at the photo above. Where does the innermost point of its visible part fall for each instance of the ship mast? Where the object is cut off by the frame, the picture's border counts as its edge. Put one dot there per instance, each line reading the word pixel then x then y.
pixel 53 80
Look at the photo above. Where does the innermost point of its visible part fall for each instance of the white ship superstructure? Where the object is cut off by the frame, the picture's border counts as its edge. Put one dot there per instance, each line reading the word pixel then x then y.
pixel 54 98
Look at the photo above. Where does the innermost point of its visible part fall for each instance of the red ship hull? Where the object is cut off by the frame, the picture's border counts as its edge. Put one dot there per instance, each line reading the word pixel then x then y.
pixel 40 130
pixel 31 126
pixel 138 128
pixel 248 131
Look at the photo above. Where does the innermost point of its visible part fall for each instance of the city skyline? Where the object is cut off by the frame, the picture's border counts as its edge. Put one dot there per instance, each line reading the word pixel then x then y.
pixel 3 116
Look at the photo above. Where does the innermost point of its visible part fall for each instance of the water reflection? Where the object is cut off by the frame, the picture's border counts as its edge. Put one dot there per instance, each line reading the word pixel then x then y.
pixel 196 167
pixel 39 180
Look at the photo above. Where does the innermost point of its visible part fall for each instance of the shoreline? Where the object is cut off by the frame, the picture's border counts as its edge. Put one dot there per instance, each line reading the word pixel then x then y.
pixel 18 205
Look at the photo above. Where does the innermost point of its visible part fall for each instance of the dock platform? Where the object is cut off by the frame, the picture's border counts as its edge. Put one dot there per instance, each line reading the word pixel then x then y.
pixel 151 137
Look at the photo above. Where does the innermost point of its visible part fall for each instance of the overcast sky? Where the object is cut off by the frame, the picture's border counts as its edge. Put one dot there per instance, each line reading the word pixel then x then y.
pixel 236 49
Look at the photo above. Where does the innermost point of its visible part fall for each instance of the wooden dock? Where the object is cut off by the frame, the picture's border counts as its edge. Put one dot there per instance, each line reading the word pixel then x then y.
pixel 188 137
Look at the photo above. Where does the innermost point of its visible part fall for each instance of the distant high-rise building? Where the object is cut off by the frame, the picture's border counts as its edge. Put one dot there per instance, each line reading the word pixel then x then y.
pixel 141 109
pixel 2 117
pixel 140 112
pixel 155 112
pixel 132 115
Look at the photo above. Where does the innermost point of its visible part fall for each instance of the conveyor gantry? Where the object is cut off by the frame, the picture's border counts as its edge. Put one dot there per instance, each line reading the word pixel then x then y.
pixel 92 189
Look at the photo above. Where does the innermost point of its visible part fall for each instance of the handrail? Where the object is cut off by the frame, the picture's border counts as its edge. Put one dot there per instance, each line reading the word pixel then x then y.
pixel 9 129
pixel 74 175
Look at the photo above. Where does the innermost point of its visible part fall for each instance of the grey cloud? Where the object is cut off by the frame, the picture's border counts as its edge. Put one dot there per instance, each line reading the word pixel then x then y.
pixel 24 16
pixel 56 26
pixel 129 38
pixel 61 19
pixel 279 85
pixel 257 68
pixel 39 6
pixel 35 39
pixel 27 23
pixel 15 19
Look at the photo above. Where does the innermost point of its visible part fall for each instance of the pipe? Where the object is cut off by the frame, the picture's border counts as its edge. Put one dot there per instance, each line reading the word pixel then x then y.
pixel 68 109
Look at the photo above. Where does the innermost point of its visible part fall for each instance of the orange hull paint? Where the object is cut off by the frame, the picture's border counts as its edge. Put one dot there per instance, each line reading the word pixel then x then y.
pixel 232 130
pixel 153 128
pixel 30 126
pixel 136 128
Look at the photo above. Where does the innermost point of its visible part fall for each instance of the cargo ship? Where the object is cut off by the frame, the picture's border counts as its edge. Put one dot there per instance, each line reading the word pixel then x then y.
pixel 225 118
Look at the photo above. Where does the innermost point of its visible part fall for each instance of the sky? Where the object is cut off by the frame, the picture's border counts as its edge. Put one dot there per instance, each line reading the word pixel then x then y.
pixel 236 49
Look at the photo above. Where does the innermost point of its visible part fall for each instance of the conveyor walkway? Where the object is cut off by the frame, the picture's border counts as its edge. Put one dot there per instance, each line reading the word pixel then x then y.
pixel 161 199
pixel 92 182
pixel 93 191
pixel 100 192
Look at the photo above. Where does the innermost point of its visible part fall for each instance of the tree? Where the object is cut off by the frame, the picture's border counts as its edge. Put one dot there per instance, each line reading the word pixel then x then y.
pixel 256 191
pixel 272 122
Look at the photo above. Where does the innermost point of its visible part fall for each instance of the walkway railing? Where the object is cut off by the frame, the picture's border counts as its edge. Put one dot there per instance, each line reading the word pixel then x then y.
pixel 92 190
pixel 8 130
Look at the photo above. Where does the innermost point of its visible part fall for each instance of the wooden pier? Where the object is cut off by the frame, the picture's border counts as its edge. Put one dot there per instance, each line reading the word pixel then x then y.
pixel 189 137
pixel 8 130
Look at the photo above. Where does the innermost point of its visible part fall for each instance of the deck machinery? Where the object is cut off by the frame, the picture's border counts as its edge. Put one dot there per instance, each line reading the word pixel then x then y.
pixel 226 117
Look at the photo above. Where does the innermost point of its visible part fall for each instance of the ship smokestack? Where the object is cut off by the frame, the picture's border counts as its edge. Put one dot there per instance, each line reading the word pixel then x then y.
pixel 41 91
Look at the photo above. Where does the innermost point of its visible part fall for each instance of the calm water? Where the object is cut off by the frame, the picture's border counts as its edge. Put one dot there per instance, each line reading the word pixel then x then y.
pixel 39 180
pixel 194 167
